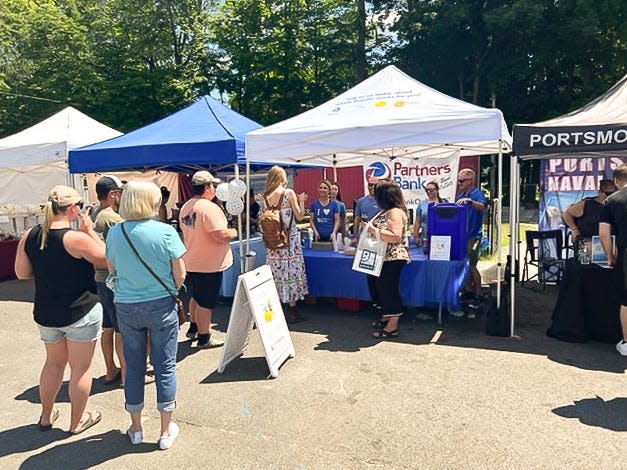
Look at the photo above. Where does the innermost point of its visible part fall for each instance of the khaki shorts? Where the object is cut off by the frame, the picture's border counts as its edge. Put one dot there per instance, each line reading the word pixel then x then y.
pixel 472 250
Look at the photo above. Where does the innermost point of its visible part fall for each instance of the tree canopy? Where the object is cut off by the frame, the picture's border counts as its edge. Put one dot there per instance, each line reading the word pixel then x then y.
pixel 131 62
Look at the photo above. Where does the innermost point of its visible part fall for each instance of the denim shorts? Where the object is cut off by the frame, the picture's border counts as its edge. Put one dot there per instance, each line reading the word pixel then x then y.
pixel 85 330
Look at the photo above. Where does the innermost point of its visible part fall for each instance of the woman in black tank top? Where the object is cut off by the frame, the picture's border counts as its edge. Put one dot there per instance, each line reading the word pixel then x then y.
pixel 61 262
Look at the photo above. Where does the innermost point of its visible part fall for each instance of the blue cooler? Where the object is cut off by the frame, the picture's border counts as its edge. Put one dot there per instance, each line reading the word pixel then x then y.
pixel 449 219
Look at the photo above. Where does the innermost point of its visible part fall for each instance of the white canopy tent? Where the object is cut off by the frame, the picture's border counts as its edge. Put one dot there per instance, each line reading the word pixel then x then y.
pixel 35 159
pixel 387 115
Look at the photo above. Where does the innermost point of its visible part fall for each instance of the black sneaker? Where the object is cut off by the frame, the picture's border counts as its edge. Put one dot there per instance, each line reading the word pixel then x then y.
pixel 192 332
pixel 467 296
pixel 475 303
pixel 207 342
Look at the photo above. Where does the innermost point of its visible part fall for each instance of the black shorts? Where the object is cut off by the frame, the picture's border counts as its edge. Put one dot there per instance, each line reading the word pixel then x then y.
pixel 204 288
pixel 109 313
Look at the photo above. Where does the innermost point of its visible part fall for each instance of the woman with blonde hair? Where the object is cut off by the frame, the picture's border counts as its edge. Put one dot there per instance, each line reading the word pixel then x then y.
pixel 287 264
pixel 66 308
pixel 144 253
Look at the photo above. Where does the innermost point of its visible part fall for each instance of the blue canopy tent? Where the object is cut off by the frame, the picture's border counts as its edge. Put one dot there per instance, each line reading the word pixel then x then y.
pixel 203 134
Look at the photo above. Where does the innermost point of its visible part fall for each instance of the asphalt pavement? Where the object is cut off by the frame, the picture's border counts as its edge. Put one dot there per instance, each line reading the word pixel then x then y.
pixel 439 396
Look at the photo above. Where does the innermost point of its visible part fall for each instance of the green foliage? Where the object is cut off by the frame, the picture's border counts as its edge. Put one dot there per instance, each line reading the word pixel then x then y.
pixel 130 62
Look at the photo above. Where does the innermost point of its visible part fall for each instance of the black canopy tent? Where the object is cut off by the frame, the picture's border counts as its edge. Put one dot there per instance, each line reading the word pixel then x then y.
pixel 598 129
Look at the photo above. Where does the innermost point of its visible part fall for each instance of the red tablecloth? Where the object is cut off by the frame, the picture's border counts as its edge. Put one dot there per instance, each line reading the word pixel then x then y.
pixel 8 248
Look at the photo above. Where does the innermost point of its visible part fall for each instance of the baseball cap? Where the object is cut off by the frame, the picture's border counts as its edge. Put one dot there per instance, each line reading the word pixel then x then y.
pixel 204 177
pixel 64 196
pixel 108 183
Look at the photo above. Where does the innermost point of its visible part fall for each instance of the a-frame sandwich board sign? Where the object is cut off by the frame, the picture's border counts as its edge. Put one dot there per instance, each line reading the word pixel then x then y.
pixel 257 301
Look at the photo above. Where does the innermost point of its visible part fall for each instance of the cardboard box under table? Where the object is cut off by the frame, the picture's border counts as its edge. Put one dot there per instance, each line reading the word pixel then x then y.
pixel 424 283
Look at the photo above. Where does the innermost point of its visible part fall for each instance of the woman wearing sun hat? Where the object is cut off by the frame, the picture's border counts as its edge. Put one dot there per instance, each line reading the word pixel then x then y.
pixel 61 261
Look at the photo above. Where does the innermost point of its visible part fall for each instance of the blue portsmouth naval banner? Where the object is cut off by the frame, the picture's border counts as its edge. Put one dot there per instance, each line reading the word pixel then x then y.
pixel 564 181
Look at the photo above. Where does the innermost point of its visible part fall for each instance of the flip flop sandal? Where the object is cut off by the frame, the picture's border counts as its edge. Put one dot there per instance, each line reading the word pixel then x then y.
pixel 380 324
pixel 382 334
pixel 94 418
pixel 53 418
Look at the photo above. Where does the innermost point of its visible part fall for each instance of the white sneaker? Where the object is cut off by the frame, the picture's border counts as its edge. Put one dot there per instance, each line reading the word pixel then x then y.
pixel 136 437
pixel 423 316
pixel 457 313
pixel 621 347
pixel 165 442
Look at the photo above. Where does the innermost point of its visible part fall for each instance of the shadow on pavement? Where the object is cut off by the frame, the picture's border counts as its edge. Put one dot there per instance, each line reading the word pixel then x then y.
pixel 27 438
pixel 241 369
pixel 596 412
pixel 93 450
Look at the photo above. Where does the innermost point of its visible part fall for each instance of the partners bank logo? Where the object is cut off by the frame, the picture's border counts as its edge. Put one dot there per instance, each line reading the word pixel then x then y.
pixel 378 170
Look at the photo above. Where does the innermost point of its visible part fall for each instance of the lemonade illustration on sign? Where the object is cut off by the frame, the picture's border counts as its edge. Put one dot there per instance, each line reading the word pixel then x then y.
pixel 267 312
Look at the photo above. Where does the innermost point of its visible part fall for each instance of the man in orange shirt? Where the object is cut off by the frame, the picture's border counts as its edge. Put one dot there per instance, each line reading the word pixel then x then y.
pixel 206 236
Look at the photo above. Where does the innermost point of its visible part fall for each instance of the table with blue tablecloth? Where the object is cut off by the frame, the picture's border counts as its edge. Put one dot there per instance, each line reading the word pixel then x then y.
pixel 424 282
pixel 229 277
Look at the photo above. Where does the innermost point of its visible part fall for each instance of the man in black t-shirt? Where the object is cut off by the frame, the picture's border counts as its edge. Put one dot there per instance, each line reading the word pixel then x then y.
pixel 614 220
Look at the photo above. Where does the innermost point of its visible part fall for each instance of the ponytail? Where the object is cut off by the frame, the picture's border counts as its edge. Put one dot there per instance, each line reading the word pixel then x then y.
pixel 48 216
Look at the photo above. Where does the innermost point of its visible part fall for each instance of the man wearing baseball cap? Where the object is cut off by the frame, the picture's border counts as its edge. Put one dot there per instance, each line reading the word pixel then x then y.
pixel 206 236
pixel 109 191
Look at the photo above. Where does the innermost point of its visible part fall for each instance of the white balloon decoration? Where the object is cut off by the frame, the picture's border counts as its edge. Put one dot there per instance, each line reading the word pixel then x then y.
pixel 235 206
pixel 237 189
pixel 222 191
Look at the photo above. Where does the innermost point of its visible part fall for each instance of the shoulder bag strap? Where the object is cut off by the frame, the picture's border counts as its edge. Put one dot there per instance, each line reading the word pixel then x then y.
pixel 145 264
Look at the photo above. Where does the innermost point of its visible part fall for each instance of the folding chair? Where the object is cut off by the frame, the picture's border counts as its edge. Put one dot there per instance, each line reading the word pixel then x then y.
pixel 544 252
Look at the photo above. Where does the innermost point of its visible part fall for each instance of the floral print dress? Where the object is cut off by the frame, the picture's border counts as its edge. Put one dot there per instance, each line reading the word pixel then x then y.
pixel 288 264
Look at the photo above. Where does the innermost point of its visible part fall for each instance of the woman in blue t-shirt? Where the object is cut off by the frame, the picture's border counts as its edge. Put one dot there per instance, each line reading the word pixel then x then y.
pixel 325 214
pixel 145 305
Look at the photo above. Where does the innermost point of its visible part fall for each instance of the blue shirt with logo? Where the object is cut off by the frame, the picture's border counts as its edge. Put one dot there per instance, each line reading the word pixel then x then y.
pixel 324 217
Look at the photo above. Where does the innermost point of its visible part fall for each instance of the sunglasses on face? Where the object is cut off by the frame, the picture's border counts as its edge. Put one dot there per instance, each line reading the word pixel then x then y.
pixel 461 181
pixel 430 190
pixel 80 204
pixel 370 185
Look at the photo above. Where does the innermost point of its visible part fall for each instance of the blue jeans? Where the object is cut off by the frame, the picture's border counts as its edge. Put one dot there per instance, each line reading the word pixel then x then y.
pixel 136 321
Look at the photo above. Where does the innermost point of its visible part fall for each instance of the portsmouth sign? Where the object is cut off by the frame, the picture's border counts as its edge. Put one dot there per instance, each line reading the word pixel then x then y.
pixel 530 140
pixel 413 174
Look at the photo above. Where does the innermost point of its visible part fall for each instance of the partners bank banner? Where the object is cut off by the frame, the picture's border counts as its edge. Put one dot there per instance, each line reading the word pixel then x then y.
pixel 413 174
pixel 564 181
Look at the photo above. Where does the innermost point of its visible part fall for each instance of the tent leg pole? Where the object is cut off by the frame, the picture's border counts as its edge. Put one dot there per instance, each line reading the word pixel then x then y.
pixel 513 230
pixel 239 230
pixel 247 208
pixel 499 210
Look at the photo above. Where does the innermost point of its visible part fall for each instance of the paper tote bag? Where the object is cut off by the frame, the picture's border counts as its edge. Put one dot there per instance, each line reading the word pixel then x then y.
pixel 369 255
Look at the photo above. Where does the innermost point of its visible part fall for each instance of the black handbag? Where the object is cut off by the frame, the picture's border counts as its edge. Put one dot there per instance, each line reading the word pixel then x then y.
pixel 180 308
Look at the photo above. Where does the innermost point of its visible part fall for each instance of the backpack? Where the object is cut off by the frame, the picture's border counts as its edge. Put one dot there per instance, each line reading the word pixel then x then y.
pixel 273 231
